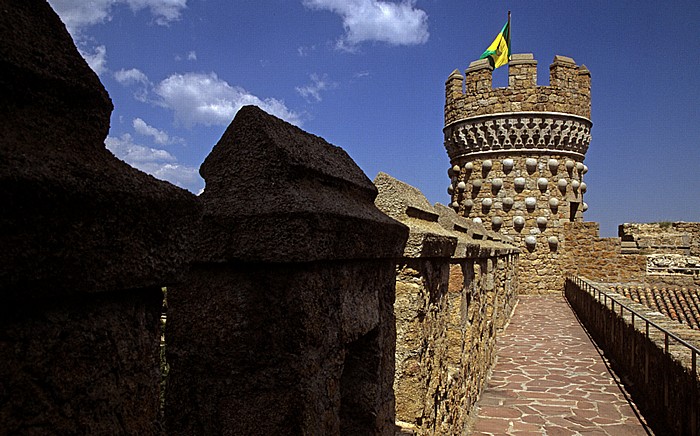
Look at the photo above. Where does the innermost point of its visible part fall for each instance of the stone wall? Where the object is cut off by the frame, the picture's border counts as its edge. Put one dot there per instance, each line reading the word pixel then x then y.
pixel 87 243
pixel 608 260
pixel 569 89
pixel 285 323
pixel 659 377
pixel 456 288
pixel 661 238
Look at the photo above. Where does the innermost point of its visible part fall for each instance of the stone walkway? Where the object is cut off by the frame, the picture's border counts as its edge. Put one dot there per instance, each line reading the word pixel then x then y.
pixel 550 379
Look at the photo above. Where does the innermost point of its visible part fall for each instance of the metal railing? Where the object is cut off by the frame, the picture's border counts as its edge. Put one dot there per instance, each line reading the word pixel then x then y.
pixel 617 307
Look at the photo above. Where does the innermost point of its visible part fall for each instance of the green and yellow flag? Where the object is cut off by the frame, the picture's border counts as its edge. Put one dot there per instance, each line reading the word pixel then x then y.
pixel 498 52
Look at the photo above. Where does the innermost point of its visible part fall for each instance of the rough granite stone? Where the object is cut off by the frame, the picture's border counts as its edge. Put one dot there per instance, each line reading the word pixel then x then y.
pixel 75 218
pixel 408 205
pixel 285 323
pixel 87 243
pixel 295 197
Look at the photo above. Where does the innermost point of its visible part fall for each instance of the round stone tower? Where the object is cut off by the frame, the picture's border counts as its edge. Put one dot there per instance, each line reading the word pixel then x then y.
pixel 516 153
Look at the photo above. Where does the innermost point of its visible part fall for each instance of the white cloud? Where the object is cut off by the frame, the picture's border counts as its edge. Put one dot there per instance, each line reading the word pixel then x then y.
pixel 312 91
pixel 131 77
pixel 134 76
pixel 158 163
pixel 159 136
pixel 77 14
pixel 198 98
pixel 192 56
pixel 97 60
pixel 396 23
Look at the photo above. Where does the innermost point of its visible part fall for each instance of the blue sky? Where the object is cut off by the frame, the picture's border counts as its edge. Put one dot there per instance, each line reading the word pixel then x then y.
pixel 368 75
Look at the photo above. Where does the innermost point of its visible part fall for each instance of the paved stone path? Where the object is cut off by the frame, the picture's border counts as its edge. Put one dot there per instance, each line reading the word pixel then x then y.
pixel 549 379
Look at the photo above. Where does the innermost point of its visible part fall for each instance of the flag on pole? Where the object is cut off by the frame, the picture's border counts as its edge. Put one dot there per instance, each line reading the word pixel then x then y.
pixel 498 52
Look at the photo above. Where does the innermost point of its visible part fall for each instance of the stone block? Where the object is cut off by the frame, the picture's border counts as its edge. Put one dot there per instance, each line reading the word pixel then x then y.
pixel 403 202
pixel 285 323
pixel 87 243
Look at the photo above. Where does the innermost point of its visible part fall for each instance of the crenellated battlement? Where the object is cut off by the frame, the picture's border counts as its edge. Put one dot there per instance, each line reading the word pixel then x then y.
pixel 473 94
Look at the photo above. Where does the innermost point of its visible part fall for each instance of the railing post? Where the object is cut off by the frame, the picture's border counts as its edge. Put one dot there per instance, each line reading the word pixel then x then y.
pixel 665 373
pixel 694 396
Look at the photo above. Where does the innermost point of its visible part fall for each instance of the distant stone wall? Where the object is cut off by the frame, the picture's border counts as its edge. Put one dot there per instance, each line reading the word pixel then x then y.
pixel 661 238
pixel 607 259
pixel 456 288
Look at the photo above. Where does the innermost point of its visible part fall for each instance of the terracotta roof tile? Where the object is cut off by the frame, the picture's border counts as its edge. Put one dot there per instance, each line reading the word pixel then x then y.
pixel 679 304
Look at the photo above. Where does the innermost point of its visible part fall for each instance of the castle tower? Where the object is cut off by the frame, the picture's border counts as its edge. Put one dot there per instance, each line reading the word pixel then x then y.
pixel 517 153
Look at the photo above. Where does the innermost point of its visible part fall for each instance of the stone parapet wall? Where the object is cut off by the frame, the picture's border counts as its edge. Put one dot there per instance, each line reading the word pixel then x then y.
pixel 456 288
pixel 285 323
pixel 659 377
pixel 87 243
pixel 661 238
pixel 472 95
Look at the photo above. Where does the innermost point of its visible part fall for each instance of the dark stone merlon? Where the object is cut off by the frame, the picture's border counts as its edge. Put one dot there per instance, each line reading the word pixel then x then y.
pixel 87 243
pixel 285 323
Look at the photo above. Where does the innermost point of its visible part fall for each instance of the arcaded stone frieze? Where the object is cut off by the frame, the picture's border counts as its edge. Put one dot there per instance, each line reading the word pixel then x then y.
pixel 518 131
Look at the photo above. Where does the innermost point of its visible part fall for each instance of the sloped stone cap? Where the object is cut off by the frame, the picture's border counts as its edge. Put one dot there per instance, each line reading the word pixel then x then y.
pixel 276 193
pixel 407 204
pixel 74 218
pixel 474 239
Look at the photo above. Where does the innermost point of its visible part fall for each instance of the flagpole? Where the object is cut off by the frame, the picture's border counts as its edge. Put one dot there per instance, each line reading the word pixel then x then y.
pixel 510 31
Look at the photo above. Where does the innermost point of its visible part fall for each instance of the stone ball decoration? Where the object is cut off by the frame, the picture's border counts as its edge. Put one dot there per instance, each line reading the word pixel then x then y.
pixel 476 220
pixel 487 202
pixel 507 165
pixel 476 183
pixel 518 221
pixel 450 189
pixel 562 184
pixel 575 184
pixel 585 207
pixel 455 169
pixel 455 205
pixel 554 203
pixel 570 165
pixel 469 167
pixel 579 167
pixel 553 242
pixel 530 241
pixel 519 183
pixel 486 165
pixel 584 187
pixel 542 221
pixel 542 184
pixel 507 203
pixel 585 169
pixel 553 165
pixel 461 186
pixel 531 165
pixel 497 221
pixel 497 184
pixel 530 202
pixel 468 204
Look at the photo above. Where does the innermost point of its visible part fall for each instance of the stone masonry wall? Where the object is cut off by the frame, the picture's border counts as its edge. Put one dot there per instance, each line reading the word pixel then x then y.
pixel 608 259
pixel 456 288
pixel 569 89
pixel 284 324
pixel 87 243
